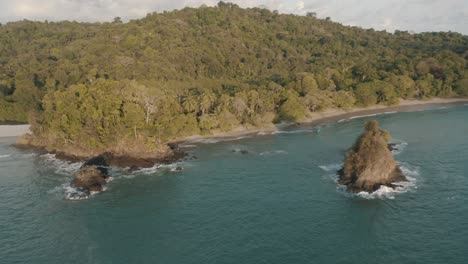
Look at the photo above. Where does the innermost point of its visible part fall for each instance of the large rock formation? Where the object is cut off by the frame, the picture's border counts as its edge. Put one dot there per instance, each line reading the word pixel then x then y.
pixel 369 164
pixel 89 180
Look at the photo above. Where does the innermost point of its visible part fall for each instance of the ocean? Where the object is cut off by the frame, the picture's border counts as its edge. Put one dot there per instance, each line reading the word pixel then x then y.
pixel 266 198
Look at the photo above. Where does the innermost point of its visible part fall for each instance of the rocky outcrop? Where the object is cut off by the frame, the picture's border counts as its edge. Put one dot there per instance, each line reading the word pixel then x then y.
pixel 90 179
pixel 120 155
pixel 369 164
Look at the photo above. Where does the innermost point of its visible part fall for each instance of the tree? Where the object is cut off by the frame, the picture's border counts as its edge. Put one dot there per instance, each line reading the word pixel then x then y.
pixel 404 86
pixel 292 110
pixel 365 94
pixel 190 105
pixel 117 20
pixel 462 87
pixel 386 93
pixel 344 99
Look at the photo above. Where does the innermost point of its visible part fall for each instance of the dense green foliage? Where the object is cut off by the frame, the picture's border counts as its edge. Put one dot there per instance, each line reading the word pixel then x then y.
pixel 178 73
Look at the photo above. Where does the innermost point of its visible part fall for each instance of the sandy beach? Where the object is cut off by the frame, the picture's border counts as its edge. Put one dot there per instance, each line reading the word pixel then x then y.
pixel 13 130
pixel 333 115
pixel 327 116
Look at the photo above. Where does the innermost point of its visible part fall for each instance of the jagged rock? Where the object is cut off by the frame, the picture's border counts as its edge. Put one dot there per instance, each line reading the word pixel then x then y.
pixel 101 162
pixel 392 146
pixel 369 164
pixel 89 179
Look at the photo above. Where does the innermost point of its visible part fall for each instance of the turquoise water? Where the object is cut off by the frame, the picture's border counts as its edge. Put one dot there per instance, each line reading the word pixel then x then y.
pixel 277 204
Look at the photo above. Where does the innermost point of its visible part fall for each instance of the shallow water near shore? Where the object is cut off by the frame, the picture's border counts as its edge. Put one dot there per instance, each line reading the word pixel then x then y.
pixel 268 198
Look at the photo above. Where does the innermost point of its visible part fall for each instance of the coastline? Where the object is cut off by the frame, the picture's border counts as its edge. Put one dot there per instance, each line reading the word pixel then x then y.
pixel 334 115
pixel 13 130
pixel 175 154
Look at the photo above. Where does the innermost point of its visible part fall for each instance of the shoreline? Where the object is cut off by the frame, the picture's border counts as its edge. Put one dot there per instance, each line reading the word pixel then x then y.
pixel 314 119
pixel 13 130
pixel 334 115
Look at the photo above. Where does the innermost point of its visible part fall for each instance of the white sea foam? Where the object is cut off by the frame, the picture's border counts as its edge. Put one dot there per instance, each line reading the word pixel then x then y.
pixel 342 120
pixel 234 139
pixel 148 171
pixel 4 156
pixel 376 114
pixel 188 146
pixel 384 192
pixel 173 167
pixel 73 193
pixel 207 141
pixel 61 166
pixel 399 147
pixel 362 116
pixel 239 149
pixel 273 152
pixel 332 167
pixel 300 131
pixel 216 140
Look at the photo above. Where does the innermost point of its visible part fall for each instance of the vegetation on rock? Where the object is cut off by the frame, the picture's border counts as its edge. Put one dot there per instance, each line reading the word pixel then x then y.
pixel 369 164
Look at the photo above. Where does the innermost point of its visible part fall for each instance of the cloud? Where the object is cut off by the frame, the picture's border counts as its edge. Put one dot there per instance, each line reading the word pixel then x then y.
pixel 415 15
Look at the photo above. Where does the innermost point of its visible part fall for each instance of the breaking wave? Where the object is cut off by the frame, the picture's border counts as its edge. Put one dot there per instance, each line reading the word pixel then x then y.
pixel 370 115
pixel 74 194
pixel 216 140
pixel 299 131
pixel 68 192
pixel 384 192
pixel 399 147
pixel 61 166
pixel 332 167
pixel 4 156
pixel 274 152
pixel 362 116
pixel 173 167
pixel 187 146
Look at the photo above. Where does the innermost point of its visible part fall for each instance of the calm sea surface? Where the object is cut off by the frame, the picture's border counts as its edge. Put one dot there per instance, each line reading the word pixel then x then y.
pixel 277 204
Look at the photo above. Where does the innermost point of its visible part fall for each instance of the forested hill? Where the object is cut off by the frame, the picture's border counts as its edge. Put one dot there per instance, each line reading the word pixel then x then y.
pixel 200 69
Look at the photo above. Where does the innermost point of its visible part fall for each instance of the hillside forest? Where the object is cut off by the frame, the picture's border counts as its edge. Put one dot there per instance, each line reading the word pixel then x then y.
pixel 198 70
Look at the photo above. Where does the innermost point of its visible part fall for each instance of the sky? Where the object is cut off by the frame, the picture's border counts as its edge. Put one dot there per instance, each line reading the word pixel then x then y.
pixel 411 15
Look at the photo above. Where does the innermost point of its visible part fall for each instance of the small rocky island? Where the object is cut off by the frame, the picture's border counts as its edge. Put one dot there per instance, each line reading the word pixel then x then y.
pixel 92 176
pixel 369 164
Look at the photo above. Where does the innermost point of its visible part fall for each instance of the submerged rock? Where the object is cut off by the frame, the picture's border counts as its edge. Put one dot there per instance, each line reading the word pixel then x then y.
pixel 90 179
pixel 177 169
pixel 369 164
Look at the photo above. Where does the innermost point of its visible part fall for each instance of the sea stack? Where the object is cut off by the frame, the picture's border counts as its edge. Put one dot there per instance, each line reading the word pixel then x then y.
pixel 92 176
pixel 369 164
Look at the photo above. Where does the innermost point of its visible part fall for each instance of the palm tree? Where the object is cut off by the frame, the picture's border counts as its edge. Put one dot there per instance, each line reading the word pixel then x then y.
pixel 190 105
pixel 207 100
